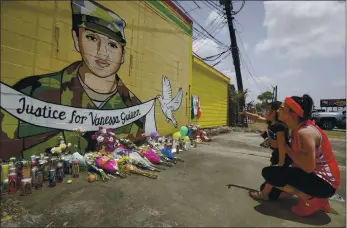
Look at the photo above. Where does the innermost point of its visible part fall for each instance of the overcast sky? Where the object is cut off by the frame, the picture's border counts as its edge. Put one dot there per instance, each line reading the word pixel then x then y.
pixel 298 46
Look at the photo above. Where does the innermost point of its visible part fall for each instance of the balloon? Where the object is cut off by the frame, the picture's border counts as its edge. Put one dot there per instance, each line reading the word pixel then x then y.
pixel 186 139
pixel 176 136
pixel 184 130
pixel 154 134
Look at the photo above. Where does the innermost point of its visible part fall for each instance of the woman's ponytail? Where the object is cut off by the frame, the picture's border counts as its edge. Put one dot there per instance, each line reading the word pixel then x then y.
pixel 307 105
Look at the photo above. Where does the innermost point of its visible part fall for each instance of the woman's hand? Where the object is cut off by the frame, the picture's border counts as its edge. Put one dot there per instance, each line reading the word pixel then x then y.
pixel 244 112
pixel 252 116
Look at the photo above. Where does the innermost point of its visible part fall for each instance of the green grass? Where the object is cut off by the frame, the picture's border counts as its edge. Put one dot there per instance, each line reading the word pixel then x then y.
pixel 336 134
pixel 339 134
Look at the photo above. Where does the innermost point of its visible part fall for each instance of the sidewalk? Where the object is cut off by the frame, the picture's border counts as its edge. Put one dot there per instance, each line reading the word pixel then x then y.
pixel 193 193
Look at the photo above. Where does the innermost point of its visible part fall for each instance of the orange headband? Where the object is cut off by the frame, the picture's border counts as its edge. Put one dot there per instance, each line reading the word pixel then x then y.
pixel 294 106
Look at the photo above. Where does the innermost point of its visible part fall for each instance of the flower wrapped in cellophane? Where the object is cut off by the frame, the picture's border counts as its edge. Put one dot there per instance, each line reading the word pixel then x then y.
pixel 153 157
pixel 108 164
pixel 129 168
pixel 137 160
pixel 157 148
pixel 90 161
pixel 121 162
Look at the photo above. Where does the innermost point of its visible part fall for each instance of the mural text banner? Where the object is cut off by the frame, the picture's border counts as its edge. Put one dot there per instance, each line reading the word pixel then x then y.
pixel 44 114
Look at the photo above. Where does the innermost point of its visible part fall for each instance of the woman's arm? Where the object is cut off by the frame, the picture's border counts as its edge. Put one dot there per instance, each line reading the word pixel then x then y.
pixel 305 159
pixel 254 117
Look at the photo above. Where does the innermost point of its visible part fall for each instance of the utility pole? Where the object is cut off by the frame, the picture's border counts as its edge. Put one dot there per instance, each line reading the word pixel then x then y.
pixel 235 54
pixel 274 93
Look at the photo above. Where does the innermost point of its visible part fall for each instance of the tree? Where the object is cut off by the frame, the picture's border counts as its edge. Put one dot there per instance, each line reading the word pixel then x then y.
pixel 265 97
pixel 236 96
pixel 260 107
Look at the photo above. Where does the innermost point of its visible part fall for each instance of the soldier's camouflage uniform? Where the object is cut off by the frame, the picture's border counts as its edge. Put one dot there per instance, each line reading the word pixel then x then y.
pixel 63 87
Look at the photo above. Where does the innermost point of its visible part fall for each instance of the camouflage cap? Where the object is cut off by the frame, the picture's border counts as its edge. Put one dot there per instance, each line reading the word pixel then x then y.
pixel 91 15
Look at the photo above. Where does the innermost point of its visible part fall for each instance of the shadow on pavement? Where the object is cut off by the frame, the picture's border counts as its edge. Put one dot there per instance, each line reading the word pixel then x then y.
pixel 281 209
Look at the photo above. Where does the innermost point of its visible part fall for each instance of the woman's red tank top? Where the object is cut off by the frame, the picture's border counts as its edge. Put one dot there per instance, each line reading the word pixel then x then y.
pixel 326 165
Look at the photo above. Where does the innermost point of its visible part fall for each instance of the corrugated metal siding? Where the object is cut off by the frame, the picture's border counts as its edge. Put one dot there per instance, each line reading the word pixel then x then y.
pixel 212 88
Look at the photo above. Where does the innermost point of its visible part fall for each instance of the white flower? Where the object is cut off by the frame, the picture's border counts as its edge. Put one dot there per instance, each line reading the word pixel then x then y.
pixel 110 139
pixel 53 150
pixel 69 145
pixel 111 133
pixel 103 131
pixel 61 142
pixel 76 145
pixel 100 139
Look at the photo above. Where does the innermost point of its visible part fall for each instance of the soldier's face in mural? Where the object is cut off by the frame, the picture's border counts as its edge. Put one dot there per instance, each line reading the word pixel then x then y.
pixel 102 55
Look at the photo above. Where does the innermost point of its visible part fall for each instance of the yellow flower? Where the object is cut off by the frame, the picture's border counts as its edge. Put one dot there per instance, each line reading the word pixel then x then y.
pixel 62 146
pixel 58 150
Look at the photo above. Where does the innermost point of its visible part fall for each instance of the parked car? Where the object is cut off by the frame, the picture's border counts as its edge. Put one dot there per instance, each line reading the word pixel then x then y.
pixel 318 110
pixel 329 120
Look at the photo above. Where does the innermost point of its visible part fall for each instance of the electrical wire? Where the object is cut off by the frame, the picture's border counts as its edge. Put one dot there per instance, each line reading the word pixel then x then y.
pixel 196 4
pixel 247 58
pixel 213 29
pixel 215 57
pixel 200 26
pixel 250 74
pixel 221 59
pixel 236 12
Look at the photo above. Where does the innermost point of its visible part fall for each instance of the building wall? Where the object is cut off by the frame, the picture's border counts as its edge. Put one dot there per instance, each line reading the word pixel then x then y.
pixel 212 88
pixel 36 39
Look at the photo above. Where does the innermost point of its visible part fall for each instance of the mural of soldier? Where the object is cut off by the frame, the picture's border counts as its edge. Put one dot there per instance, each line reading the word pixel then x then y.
pixel 92 83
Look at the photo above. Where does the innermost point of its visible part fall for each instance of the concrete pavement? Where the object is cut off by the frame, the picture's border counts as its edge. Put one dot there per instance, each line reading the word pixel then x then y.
pixel 193 193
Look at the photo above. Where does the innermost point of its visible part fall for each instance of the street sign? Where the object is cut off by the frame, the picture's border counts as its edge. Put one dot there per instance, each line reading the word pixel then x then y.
pixel 333 103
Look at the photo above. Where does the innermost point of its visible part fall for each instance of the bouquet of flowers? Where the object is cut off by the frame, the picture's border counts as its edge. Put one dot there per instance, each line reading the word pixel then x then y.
pixel 121 162
pixel 129 168
pixel 61 147
pixel 153 157
pixel 137 160
pixel 106 140
pixel 79 132
pixel 158 151
pixel 90 161
pixel 108 164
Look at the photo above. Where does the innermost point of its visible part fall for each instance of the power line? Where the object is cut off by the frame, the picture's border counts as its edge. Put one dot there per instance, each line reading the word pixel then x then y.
pixel 213 28
pixel 236 12
pixel 209 58
pixel 247 58
pixel 200 26
pixel 196 4
pixel 250 74
pixel 221 59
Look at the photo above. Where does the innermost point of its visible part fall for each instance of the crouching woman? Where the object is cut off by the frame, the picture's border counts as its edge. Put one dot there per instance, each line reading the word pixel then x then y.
pixel 314 175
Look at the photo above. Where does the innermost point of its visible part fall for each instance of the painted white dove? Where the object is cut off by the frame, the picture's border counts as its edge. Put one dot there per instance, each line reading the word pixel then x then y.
pixel 167 104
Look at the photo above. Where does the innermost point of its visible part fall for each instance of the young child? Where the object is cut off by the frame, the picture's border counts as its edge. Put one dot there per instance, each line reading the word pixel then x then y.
pixel 270 141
